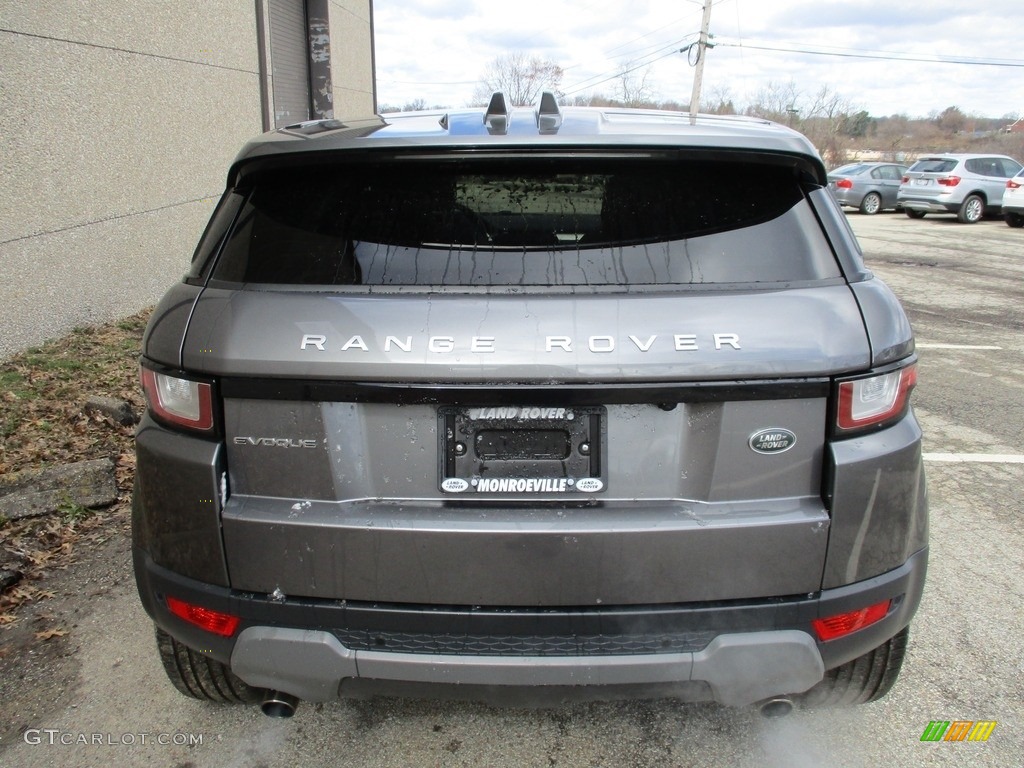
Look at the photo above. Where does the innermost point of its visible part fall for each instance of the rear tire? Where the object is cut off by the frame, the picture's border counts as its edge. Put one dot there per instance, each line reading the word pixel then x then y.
pixel 200 677
pixel 971 210
pixel 871 204
pixel 913 214
pixel 1015 220
pixel 866 678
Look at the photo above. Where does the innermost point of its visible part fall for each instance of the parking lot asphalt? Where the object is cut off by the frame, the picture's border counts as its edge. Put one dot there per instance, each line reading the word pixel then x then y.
pixel 963 289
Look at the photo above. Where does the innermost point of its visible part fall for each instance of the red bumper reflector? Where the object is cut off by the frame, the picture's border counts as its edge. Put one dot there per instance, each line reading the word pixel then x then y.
pixel 844 623
pixel 223 624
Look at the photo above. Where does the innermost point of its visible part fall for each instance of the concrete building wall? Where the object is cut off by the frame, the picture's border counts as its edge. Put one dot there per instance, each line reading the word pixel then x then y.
pixel 352 71
pixel 117 125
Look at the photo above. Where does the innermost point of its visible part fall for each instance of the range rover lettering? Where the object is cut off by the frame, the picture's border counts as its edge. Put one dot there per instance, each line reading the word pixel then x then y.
pixel 555 402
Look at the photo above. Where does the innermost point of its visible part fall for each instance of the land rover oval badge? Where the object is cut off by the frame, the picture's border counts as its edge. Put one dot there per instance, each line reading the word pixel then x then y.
pixel 772 440
pixel 454 485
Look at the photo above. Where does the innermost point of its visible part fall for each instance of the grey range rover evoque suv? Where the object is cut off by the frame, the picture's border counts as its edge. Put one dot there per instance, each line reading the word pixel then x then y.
pixel 530 403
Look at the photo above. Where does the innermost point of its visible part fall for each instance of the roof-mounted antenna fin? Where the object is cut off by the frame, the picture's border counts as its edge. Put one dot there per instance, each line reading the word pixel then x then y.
pixel 549 116
pixel 496 116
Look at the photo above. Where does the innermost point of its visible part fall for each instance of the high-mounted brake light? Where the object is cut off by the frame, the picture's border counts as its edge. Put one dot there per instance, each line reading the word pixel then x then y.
pixel 948 181
pixel 223 624
pixel 179 401
pixel 844 184
pixel 876 399
pixel 843 624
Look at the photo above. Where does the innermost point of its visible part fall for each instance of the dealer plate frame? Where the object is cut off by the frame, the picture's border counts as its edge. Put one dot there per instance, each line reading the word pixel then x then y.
pixel 462 430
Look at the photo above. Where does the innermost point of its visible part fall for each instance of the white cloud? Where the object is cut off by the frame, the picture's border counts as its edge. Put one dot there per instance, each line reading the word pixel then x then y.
pixel 436 50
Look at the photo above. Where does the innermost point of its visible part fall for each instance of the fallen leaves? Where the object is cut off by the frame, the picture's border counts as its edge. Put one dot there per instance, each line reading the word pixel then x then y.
pixel 15 597
pixel 41 411
pixel 49 634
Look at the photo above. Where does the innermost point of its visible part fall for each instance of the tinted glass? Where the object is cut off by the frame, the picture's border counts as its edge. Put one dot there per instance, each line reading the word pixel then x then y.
pixel 848 170
pixel 933 165
pixel 1010 167
pixel 526 224
pixel 986 166
pixel 213 237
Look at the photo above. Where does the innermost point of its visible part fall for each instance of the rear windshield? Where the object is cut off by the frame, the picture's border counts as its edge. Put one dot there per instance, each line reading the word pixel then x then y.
pixel 848 170
pixel 528 223
pixel 934 165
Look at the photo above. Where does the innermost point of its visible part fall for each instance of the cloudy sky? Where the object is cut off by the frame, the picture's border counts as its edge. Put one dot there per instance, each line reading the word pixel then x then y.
pixel 437 50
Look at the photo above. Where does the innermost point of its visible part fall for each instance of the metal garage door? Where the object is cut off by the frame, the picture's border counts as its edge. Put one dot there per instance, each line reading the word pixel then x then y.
pixel 289 60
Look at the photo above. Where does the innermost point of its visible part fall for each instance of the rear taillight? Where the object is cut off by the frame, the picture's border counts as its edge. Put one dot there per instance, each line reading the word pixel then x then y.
pixel 874 400
pixel 905 180
pixel 844 184
pixel 1011 184
pixel 843 624
pixel 948 181
pixel 180 401
pixel 223 624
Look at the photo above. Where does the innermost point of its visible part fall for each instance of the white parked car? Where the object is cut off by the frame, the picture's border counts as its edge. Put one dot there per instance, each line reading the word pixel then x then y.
pixel 1013 201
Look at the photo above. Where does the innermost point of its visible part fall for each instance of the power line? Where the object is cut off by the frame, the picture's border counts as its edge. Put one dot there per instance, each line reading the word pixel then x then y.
pixel 880 57
pixel 610 51
pixel 585 84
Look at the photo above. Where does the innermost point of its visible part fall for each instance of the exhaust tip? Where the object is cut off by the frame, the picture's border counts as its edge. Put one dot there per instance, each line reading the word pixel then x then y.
pixel 780 706
pixel 277 704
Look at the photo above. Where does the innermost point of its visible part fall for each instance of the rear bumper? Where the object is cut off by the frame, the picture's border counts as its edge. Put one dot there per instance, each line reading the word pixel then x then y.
pixel 734 653
pixel 738 668
pixel 928 206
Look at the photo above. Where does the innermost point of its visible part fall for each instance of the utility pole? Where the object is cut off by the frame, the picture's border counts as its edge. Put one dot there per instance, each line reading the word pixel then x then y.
pixel 698 74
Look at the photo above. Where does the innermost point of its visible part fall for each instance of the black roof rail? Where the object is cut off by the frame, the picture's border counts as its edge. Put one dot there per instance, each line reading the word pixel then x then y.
pixel 549 116
pixel 496 116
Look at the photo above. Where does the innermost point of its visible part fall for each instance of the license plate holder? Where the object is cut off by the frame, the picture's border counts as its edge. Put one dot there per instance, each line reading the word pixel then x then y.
pixel 522 450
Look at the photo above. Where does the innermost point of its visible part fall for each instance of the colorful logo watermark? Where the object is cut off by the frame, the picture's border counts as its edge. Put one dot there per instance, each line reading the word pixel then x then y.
pixel 958 730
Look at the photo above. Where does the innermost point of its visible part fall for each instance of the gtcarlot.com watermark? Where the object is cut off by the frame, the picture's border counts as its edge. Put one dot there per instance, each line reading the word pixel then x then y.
pixel 55 736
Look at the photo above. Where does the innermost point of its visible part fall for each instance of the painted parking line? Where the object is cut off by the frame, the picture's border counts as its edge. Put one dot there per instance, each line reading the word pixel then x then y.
pixel 956 346
pixel 977 458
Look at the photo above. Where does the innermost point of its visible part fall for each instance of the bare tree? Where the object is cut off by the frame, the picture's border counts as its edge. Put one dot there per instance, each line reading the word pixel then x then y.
pixel 951 121
pixel 894 135
pixel 827 116
pixel 719 101
pixel 634 89
pixel 520 78
pixel 410 106
pixel 823 118
pixel 776 101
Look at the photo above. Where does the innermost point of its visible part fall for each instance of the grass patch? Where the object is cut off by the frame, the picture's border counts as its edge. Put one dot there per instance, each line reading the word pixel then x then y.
pixel 42 392
pixel 71 512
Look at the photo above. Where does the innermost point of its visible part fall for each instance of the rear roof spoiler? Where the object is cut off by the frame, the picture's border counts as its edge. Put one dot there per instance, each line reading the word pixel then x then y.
pixel 546 113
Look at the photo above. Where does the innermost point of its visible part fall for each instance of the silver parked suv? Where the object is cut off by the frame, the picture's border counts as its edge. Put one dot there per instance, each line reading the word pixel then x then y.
pixel 559 402
pixel 968 185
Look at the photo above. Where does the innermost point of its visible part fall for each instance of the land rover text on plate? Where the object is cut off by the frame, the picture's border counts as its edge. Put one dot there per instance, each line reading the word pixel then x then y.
pixel 557 402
